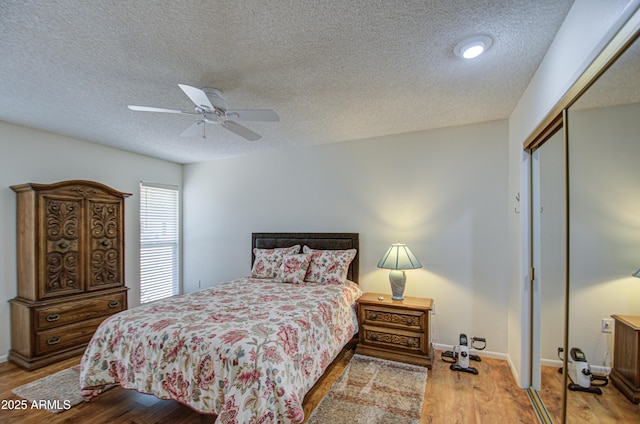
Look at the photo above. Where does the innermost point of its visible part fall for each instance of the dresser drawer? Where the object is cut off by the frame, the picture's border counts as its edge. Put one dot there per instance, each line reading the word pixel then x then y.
pixel 58 315
pixel 66 336
pixel 394 339
pixel 393 317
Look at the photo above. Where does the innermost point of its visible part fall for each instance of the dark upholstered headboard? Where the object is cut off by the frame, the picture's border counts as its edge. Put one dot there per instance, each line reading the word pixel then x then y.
pixel 329 241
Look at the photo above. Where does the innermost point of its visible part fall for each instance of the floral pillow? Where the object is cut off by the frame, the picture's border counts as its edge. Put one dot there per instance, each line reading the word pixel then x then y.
pixel 268 261
pixel 328 266
pixel 294 268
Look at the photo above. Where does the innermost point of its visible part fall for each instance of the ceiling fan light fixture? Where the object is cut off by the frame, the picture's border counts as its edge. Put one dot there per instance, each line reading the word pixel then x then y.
pixel 472 47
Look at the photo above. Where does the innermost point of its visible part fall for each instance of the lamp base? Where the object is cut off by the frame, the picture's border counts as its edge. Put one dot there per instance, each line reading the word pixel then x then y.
pixel 397 279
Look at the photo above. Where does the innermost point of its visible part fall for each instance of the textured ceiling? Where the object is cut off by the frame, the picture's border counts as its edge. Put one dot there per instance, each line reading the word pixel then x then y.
pixel 333 70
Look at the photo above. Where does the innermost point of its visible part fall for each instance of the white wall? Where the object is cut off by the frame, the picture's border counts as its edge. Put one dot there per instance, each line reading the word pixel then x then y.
pixel 442 192
pixel 34 156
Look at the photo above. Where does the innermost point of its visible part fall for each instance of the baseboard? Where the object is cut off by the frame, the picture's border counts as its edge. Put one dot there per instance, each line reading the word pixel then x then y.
pixel 3 358
pixel 516 374
pixel 481 353
pixel 556 363
pixel 551 363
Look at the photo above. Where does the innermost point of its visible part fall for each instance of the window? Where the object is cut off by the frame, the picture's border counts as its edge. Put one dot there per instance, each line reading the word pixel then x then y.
pixel 159 241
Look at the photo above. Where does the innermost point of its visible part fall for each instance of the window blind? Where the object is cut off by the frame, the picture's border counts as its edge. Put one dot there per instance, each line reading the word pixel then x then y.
pixel 159 241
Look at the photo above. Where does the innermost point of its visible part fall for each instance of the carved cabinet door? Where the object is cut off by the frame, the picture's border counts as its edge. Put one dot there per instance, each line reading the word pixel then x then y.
pixel 105 267
pixel 61 247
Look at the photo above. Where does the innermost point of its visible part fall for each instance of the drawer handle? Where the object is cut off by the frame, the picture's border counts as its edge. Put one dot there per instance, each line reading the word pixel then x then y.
pixel 53 340
pixel 52 317
pixel 373 315
pixel 105 243
pixel 63 245
pixel 409 321
pixel 412 342
pixel 373 336
pixel 114 304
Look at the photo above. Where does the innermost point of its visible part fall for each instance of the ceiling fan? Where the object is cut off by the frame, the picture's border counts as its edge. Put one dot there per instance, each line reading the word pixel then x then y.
pixel 214 110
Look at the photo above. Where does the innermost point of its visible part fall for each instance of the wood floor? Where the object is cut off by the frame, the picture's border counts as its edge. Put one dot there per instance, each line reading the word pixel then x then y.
pixel 610 407
pixel 451 397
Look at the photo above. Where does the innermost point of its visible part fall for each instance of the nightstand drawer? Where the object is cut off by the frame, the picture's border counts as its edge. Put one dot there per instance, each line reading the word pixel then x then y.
pixel 381 316
pixel 396 339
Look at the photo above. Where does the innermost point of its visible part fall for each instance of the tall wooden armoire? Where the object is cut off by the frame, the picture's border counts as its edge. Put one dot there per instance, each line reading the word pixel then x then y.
pixel 70 254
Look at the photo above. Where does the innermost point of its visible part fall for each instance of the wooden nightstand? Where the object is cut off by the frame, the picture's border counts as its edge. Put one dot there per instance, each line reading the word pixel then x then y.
pixel 625 374
pixel 397 330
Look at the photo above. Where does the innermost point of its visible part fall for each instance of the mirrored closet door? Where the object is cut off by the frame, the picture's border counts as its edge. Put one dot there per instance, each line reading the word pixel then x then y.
pixel 604 186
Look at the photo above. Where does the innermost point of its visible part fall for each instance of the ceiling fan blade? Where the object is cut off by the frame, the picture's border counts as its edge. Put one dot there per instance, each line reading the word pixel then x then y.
pixel 266 115
pixel 196 95
pixel 241 130
pixel 195 130
pixel 157 109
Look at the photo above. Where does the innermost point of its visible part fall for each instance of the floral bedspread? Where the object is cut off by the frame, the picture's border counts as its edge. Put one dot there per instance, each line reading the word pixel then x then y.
pixel 247 350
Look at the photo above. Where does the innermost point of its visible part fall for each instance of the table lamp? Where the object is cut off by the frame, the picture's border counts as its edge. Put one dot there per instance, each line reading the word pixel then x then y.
pixel 397 259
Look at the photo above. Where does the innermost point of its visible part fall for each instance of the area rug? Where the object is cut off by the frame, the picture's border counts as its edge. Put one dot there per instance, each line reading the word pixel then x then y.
pixel 372 390
pixel 55 393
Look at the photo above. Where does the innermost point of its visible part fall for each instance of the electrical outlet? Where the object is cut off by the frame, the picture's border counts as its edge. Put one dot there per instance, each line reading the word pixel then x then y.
pixel 607 325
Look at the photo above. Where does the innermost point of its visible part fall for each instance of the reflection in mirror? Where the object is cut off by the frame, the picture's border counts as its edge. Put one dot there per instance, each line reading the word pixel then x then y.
pixel 604 144
pixel 549 218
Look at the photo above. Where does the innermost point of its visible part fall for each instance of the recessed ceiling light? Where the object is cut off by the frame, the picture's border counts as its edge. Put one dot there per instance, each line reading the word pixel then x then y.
pixel 473 47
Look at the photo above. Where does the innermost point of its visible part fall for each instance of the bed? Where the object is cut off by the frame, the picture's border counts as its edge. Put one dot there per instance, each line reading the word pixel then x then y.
pixel 246 350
